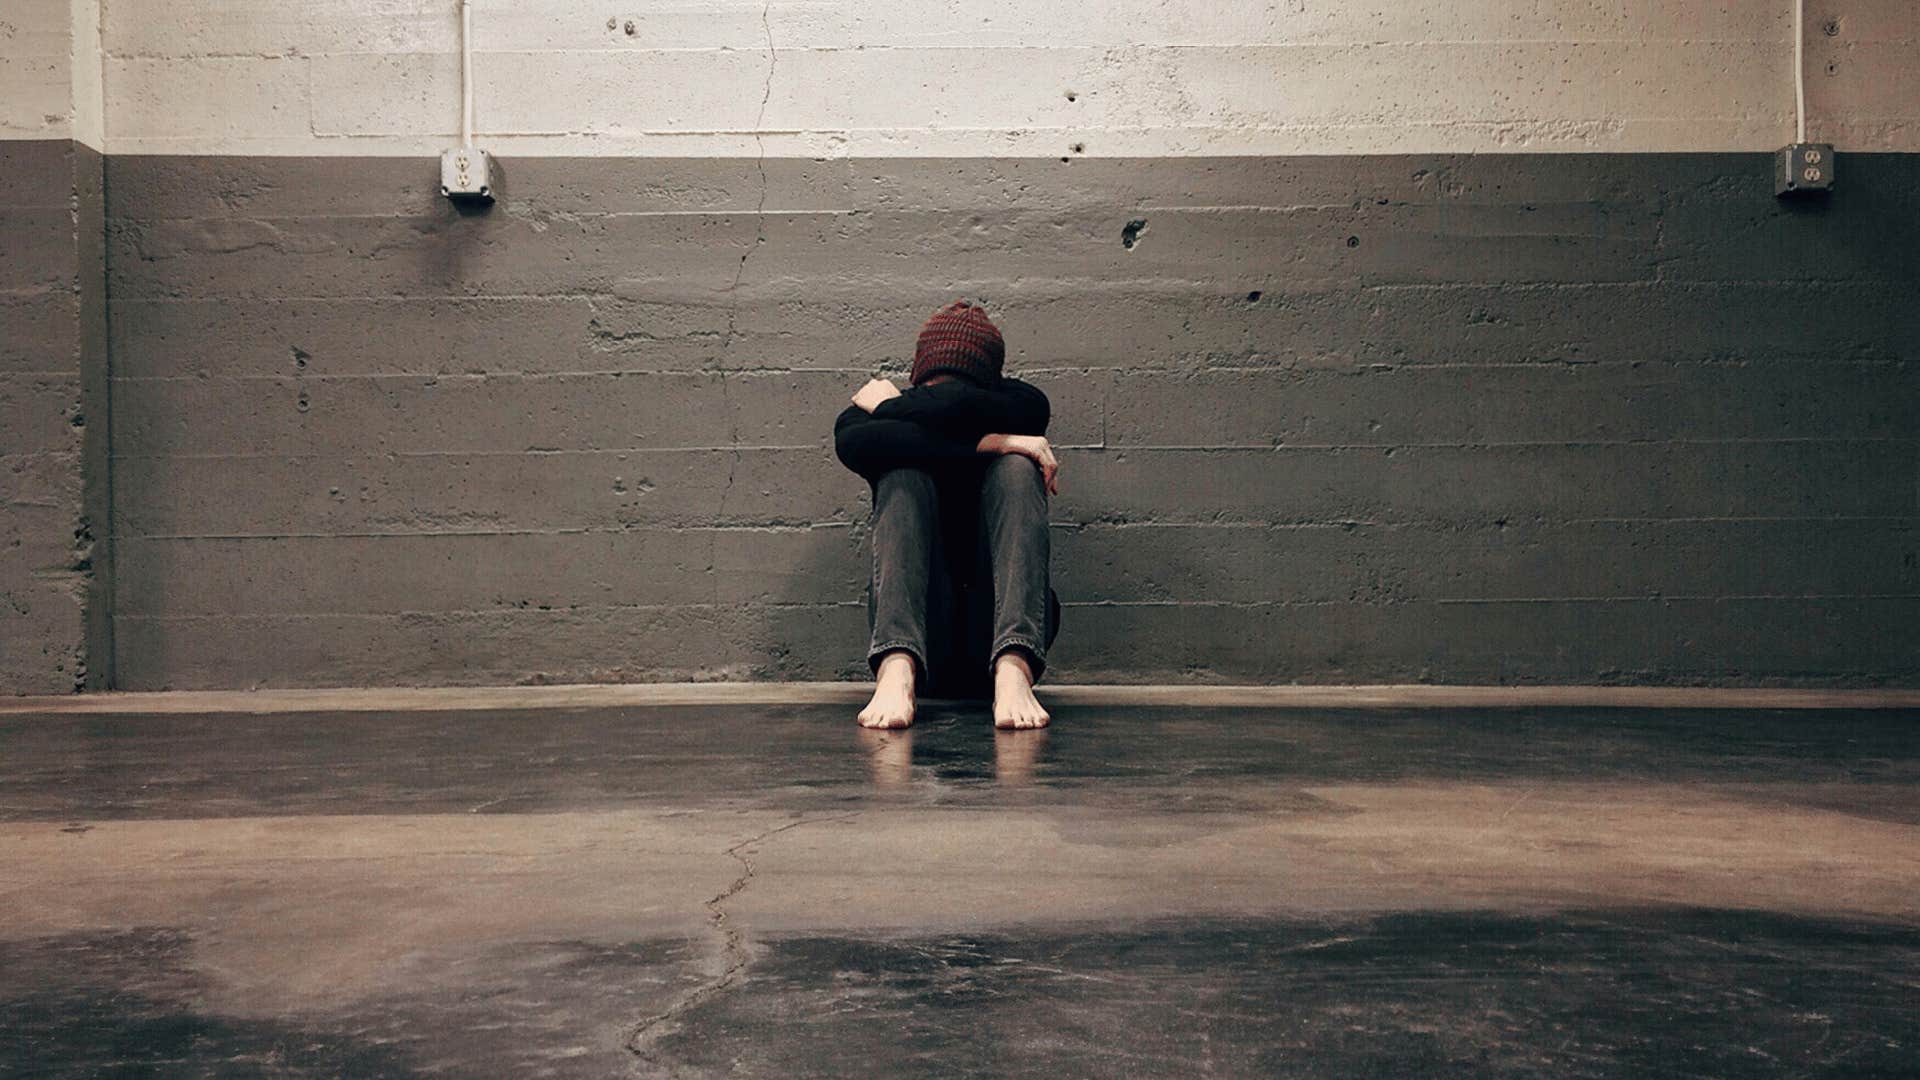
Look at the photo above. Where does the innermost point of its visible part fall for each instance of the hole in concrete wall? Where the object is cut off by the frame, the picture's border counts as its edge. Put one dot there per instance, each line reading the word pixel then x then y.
pixel 1353 241
pixel 1079 148
pixel 1253 297
pixel 1071 96
pixel 1130 235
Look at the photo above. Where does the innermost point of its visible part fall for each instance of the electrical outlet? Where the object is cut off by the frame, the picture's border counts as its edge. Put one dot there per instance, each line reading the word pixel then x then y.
pixel 466 175
pixel 1802 168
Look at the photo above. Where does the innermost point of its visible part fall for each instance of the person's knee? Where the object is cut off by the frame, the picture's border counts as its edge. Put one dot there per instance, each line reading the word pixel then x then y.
pixel 1014 489
pixel 914 484
pixel 1015 472
pixel 906 478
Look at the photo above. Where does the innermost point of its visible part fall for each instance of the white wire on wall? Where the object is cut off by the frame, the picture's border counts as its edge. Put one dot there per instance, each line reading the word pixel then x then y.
pixel 467 73
pixel 1799 71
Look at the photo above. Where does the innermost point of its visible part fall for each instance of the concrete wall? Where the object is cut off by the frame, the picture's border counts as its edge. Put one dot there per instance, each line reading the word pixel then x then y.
pixel 55 563
pixel 1489 418
pixel 1344 397
pixel 1006 77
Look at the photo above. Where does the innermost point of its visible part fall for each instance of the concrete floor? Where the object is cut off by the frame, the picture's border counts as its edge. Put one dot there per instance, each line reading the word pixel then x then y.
pixel 764 890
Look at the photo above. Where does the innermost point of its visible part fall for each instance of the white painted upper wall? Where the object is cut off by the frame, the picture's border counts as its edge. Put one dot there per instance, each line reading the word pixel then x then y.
pixel 1006 77
pixel 50 70
pixel 86 74
pixel 36 66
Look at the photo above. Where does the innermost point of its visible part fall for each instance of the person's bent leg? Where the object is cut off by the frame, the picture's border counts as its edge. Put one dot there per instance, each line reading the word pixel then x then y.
pixel 905 524
pixel 1013 517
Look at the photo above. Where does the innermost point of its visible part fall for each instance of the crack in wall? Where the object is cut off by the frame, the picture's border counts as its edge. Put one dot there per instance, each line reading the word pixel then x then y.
pixel 740 271
pixel 733 468
pixel 733 949
pixel 760 165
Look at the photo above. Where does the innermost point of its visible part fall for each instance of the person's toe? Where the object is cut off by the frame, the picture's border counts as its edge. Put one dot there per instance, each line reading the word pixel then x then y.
pixel 1018 717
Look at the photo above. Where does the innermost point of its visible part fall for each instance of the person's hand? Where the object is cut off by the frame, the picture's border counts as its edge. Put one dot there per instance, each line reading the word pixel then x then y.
pixel 1035 447
pixel 876 391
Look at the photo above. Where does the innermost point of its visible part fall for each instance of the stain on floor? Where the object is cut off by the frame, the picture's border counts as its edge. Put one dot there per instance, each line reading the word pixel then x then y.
pixel 1668 992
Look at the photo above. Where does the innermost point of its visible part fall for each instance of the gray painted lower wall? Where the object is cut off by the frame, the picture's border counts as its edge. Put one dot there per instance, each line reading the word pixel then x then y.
pixel 1552 418
pixel 55 602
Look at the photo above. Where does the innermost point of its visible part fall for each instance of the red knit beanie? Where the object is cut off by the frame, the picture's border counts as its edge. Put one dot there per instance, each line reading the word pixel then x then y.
pixel 960 338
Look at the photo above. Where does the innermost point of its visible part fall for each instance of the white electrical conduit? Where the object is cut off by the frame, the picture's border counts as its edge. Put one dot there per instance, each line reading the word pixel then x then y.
pixel 1799 71
pixel 467 73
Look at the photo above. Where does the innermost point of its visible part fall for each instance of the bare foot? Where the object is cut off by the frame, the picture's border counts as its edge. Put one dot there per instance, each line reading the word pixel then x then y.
pixel 1014 705
pixel 892 704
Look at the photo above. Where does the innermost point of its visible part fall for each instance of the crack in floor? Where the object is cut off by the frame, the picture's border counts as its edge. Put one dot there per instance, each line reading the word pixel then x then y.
pixel 651 1030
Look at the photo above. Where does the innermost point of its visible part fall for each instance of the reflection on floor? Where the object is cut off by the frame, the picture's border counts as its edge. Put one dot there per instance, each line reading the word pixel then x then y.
pixel 771 891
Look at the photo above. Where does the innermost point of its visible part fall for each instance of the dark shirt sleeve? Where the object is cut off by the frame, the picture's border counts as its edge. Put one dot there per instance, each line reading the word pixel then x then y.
pixel 960 408
pixel 928 427
pixel 870 445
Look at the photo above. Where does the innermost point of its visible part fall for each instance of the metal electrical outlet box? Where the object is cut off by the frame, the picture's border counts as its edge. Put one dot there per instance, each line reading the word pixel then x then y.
pixel 1803 167
pixel 466 175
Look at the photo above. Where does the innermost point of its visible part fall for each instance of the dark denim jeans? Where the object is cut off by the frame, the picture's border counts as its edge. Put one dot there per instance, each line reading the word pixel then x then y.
pixel 955 617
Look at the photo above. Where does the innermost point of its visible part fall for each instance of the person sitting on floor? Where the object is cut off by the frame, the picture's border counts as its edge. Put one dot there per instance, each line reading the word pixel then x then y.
pixel 959 598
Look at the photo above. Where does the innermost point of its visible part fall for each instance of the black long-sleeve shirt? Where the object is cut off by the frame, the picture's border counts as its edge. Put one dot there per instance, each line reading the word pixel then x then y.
pixel 936 426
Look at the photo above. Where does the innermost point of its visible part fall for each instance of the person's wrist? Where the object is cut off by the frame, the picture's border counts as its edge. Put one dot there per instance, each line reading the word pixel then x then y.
pixel 992 444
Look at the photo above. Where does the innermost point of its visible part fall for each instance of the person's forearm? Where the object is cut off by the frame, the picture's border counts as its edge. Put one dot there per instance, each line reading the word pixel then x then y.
pixel 871 446
pixel 967 411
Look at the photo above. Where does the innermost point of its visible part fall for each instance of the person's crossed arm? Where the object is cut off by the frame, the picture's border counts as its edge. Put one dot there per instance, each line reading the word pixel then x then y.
pixel 887 428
